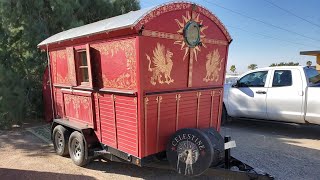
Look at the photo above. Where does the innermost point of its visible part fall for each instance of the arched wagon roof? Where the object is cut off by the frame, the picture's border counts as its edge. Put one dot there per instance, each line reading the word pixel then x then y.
pixel 133 19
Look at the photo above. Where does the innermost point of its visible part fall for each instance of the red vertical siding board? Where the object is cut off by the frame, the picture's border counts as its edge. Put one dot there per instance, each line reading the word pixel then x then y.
pixel 108 127
pixel 204 109
pixel 167 120
pixel 127 124
pixel 151 120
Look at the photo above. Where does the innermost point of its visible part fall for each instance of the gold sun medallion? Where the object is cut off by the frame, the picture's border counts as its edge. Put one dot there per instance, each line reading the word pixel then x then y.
pixel 192 29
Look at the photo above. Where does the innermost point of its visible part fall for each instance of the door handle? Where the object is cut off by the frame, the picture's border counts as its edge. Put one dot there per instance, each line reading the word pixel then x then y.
pixel 261 92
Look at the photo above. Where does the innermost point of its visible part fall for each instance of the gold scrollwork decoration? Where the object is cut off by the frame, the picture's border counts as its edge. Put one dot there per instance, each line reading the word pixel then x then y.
pixel 54 65
pixel 71 65
pixel 127 80
pixel 162 63
pixel 62 80
pixel 213 66
pixel 61 54
pixel 77 101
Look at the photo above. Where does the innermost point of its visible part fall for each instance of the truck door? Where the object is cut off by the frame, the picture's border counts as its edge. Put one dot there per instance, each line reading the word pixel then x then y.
pixel 285 96
pixel 313 91
pixel 248 98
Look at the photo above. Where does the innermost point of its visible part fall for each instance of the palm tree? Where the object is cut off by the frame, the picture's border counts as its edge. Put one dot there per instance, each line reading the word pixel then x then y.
pixel 233 68
pixel 252 66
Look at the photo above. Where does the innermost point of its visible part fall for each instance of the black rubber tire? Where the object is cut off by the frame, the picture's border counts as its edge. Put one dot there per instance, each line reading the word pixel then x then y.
pixel 190 152
pixel 224 116
pixel 60 138
pixel 217 142
pixel 77 149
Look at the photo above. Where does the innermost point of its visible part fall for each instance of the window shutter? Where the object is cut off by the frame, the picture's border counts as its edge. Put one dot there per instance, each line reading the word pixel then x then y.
pixel 71 66
pixel 89 65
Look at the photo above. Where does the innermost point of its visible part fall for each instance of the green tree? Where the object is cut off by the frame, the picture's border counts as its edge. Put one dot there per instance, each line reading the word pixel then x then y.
pixel 252 66
pixel 123 6
pixel 284 64
pixel 233 68
pixel 12 98
pixel 25 23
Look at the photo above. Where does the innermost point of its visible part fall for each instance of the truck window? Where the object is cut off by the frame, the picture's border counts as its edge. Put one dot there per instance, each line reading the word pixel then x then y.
pixel 313 75
pixel 282 78
pixel 255 79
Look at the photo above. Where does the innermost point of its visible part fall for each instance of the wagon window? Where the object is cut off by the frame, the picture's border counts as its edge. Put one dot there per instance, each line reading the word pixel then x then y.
pixel 83 68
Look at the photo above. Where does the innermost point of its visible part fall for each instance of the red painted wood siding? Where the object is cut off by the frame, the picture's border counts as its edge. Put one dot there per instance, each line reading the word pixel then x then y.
pixel 58 102
pixel 107 120
pixel 119 125
pixel 78 107
pixel 97 116
pixel 127 125
pixel 164 114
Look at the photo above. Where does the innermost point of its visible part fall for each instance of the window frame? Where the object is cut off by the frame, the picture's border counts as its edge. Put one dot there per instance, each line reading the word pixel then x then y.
pixel 273 78
pixel 266 71
pixel 79 67
pixel 79 80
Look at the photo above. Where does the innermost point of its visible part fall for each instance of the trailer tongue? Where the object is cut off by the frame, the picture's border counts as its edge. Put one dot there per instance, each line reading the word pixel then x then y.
pixel 144 88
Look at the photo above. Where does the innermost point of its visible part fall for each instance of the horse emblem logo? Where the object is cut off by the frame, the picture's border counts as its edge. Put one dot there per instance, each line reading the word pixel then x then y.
pixel 213 66
pixel 162 62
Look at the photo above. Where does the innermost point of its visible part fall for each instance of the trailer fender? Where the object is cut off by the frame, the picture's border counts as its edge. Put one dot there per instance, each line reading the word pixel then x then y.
pixel 90 138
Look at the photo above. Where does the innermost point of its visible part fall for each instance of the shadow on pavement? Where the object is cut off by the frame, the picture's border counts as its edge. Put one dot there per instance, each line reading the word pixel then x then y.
pixel 26 174
pixel 26 141
pixel 138 172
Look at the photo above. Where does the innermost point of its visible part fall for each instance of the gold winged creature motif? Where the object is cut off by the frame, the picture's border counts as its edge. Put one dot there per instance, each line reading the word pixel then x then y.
pixel 162 62
pixel 213 66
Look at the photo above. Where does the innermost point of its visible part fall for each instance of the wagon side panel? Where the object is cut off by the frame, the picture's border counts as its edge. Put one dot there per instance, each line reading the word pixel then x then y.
pixel 79 107
pixel 117 63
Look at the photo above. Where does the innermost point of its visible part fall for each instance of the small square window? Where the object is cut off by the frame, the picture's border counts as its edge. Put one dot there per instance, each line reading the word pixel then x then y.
pixel 82 70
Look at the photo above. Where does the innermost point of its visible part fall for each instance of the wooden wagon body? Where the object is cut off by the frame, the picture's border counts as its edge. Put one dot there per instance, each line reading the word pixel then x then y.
pixel 141 86
pixel 135 79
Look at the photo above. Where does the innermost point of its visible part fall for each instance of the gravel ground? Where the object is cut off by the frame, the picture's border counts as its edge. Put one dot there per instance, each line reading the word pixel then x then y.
pixel 24 156
pixel 284 151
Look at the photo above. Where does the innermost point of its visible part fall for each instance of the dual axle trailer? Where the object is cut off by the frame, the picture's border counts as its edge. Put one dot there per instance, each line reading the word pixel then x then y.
pixel 145 88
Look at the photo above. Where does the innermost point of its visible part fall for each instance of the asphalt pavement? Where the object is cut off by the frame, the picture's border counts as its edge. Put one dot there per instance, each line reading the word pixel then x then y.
pixel 286 151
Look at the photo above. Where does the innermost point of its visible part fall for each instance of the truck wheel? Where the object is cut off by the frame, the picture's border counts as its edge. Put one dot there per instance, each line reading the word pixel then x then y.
pixel 224 116
pixel 60 140
pixel 77 149
pixel 190 152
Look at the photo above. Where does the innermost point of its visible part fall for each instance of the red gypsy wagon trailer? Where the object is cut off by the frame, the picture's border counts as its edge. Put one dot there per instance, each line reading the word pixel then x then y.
pixel 142 86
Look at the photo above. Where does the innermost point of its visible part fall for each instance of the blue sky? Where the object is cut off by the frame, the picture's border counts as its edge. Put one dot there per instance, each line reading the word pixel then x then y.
pixel 250 44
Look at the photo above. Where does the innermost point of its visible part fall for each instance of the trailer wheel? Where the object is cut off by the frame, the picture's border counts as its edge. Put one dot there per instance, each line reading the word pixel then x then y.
pixel 190 152
pixel 77 149
pixel 60 140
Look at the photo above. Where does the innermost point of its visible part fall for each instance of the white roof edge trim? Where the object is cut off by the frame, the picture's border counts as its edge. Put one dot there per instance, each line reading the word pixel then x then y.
pixel 143 12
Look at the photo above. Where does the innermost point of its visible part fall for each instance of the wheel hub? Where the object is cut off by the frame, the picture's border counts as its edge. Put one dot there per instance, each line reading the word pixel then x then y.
pixel 77 149
pixel 59 140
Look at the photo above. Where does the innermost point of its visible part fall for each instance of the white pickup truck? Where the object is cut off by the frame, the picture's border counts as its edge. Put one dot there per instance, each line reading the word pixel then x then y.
pixel 288 93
